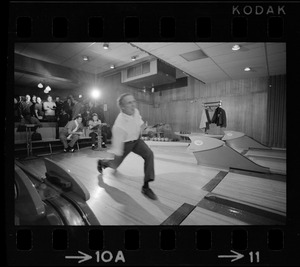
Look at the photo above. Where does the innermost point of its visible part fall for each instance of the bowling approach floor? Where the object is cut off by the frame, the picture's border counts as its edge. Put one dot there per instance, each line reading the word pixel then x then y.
pixel 188 194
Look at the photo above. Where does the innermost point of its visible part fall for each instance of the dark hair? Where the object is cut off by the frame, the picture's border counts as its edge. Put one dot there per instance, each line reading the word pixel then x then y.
pixel 78 116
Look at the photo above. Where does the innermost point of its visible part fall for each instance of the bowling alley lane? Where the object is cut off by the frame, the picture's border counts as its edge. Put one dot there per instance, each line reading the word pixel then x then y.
pixel 186 191
pixel 116 198
pixel 266 194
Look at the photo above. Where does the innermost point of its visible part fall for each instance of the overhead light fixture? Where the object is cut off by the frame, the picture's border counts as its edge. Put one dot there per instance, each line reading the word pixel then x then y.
pixel 105 46
pixel 236 47
pixel 85 58
pixel 40 85
pixel 112 66
pixel 95 93
pixel 247 69
pixel 133 58
pixel 47 90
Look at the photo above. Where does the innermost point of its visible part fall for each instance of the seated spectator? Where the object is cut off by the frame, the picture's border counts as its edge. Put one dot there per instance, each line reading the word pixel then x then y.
pixel 49 108
pixel 94 125
pixel 94 107
pixel 72 131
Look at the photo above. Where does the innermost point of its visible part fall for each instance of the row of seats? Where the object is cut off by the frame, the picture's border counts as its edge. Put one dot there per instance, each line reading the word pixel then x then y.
pixel 49 140
pixel 47 131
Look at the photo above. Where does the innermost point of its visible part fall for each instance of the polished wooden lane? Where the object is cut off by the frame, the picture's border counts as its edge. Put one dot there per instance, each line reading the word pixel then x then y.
pixel 180 184
pixel 276 165
pixel 266 194
pixel 267 153
pixel 116 197
pixel 202 216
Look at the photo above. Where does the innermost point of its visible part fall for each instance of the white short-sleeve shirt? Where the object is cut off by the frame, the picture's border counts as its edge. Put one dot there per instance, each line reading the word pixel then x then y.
pixel 126 128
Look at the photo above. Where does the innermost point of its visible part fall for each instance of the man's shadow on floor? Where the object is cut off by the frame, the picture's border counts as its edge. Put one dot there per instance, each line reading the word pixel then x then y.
pixel 132 209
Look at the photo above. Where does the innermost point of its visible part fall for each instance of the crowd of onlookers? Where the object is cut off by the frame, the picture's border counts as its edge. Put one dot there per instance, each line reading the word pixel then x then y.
pixel 33 110
pixel 72 114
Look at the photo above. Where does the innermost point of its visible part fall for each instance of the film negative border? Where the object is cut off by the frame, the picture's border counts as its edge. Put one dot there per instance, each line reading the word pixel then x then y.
pixel 146 245
pixel 150 246
pixel 164 21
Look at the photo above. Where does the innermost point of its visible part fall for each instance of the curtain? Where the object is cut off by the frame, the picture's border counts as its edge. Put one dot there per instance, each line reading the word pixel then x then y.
pixel 276 112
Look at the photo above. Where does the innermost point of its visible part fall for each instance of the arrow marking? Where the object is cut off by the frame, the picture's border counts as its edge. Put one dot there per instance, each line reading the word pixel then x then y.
pixel 84 257
pixel 235 257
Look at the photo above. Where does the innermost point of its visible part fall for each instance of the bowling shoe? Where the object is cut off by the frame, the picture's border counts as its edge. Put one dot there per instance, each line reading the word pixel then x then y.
pixel 101 165
pixel 149 193
pixel 71 149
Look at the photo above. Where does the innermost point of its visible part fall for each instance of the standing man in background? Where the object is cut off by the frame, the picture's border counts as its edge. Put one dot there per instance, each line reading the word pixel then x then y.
pixel 77 108
pixel 126 134
pixel 49 107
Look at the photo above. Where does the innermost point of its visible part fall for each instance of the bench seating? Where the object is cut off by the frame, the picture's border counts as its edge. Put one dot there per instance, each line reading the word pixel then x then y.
pixel 49 140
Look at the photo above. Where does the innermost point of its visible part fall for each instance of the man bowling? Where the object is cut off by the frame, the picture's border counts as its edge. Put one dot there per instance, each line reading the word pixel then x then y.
pixel 126 133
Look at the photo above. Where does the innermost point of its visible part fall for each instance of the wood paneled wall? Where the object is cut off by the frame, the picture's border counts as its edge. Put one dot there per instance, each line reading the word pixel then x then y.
pixel 245 103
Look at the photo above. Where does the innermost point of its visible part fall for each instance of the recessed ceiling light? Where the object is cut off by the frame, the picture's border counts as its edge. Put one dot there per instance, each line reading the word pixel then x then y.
pixel 247 69
pixel 105 46
pixel 133 58
pixel 236 47
pixel 112 66
pixel 85 58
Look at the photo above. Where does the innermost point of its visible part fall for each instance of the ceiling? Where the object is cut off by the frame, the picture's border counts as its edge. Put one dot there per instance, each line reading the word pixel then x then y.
pixel 207 62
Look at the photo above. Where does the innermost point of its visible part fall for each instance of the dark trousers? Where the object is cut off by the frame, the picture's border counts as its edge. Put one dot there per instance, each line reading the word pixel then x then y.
pixel 63 138
pixel 94 137
pixel 140 148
